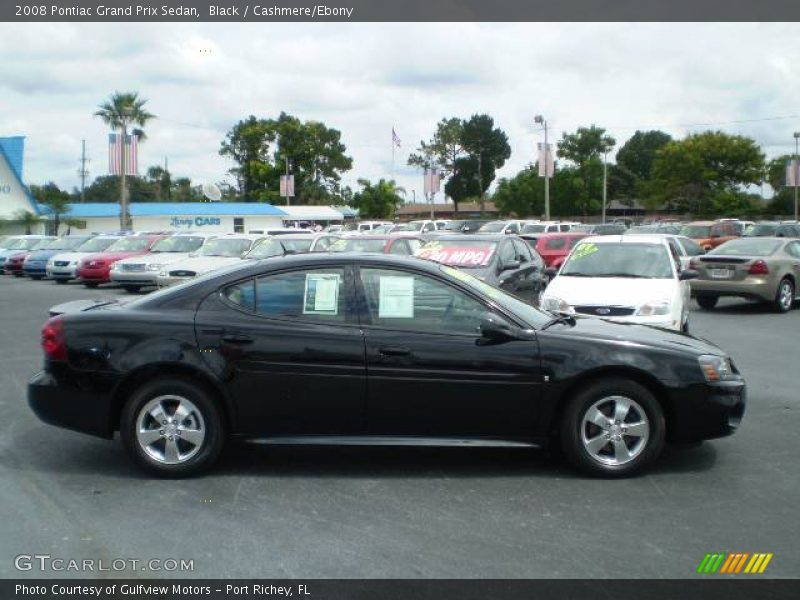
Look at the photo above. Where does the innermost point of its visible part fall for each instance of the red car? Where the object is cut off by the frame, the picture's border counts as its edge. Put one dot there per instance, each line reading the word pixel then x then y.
pixel 405 245
pixel 95 268
pixel 553 247
pixel 13 264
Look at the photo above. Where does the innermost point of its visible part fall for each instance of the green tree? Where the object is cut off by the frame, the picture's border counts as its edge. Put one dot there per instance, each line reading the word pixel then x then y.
pixel 27 219
pixel 378 201
pixel 782 201
pixel 706 171
pixel 54 200
pixel 488 147
pixel 587 144
pixel 161 181
pixel 523 194
pixel 120 111
pixel 261 147
pixel 106 187
pixel 639 152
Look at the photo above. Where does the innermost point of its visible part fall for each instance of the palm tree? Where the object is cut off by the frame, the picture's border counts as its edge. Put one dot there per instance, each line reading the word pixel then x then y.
pixel 121 110
pixel 27 219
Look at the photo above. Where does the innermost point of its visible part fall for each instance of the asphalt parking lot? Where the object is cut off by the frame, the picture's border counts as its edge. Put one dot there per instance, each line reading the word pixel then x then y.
pixel 406 512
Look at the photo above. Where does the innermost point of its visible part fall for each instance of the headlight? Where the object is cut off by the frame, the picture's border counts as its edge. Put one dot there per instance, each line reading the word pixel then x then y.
pixel 163 273
pixel 651 309
pixel 554 304
pixel 115 267
pixel 76 263
pixel 154 267
pixel 715 368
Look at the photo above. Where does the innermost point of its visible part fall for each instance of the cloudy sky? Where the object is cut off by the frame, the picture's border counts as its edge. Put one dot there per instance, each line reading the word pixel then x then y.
pixel 363 79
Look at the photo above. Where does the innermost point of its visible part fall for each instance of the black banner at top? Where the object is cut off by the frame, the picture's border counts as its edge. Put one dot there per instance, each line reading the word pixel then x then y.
pixel 261 11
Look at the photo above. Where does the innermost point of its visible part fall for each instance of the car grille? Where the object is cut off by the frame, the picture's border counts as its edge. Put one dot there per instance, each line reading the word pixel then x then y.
pixel 182 273
pixel 133 268
pixel 61 263
pixel 606 311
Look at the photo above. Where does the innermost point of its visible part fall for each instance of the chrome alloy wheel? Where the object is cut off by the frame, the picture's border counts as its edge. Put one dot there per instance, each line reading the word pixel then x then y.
pixel 614 430
pixel 170 429
pixel 786 295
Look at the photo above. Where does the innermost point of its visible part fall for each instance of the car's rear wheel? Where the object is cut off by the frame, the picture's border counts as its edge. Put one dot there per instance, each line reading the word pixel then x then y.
pixel 132 289
pixel 784 297
pixel 613 428
pixel 91 284
pixel 172 428
pixel 707 301
pixel 36 277
pixel 60 281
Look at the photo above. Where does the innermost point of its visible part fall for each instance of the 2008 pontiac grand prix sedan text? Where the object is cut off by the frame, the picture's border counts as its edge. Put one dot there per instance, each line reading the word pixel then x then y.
pixel 366 349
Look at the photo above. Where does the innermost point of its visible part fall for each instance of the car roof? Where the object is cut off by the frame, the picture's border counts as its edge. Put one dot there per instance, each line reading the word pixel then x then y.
pixel 476 237
pixel 634 238
pixel 704 223
pixel 546 235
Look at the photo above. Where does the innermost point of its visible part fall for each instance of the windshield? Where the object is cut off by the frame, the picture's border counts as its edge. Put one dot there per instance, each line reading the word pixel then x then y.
pixel 412 226
pixel 95 244
pixel 65 243
pixel 225 247
pixel 534 228
pixel 455 225
pixel 129 244
pixel 745 247
pixel 468 253
pixel 23 243
pixel 41 244
pixel 589 259
pixel 531 315
pixel 760 229
pixel 266 249
pixel 358 245
pixel 643 229
pixel 583 228
pixel 696 231
pixel 297 245
pixel 493 227
pixel 181 243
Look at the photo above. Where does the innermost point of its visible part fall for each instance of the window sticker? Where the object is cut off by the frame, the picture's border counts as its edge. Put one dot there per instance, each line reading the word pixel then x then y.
pixel 396 298
pixel 583 250
pixel 457 255
pixel 321 295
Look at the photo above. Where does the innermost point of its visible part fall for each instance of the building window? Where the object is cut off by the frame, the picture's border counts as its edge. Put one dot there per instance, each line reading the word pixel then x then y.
pixel 238 224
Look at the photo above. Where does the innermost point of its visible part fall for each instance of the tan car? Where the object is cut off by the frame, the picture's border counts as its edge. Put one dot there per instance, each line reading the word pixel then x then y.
pixel 710 234
pixel 764 269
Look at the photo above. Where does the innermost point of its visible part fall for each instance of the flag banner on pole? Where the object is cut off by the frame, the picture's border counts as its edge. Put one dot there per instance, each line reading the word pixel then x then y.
pixel 115 154
pixel 546 159
pixel 395 138
pixel 287 186
pixel 792 177
pixel 432 181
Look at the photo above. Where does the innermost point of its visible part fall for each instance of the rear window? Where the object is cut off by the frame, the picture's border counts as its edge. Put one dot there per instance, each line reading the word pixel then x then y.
pixel 748 247
pixel 96 245
pixel 358 245
pixel 555 244
pixel 130 244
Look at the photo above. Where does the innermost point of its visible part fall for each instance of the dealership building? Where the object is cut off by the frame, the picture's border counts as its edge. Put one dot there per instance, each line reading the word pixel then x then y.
pixel 15 198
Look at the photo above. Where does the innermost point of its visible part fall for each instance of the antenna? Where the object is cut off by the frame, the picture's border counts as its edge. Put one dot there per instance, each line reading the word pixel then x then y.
pixel 83 172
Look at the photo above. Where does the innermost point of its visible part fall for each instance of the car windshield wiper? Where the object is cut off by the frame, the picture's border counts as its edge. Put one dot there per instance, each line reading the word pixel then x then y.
pixel 576 274
pixel 561 318
pixel 632 275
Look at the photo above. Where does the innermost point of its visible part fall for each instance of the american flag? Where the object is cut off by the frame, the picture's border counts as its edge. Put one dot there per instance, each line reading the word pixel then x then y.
pixel 115 154
pixel 395 138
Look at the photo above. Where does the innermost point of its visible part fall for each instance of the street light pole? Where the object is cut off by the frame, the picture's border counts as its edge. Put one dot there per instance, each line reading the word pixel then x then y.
pixel 796 170
pixel 605 183
pixel 540 119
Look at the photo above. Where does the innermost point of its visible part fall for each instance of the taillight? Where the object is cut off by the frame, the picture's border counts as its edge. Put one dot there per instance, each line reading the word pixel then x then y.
pixel 759 268
pixel 53 343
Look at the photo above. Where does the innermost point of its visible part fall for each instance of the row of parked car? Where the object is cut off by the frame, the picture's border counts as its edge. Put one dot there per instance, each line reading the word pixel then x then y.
pixel 640 277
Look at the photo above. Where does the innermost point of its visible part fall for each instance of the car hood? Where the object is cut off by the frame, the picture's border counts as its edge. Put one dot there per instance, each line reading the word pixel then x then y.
pixel 156 258
pixel 42 254
pixel 110 256
pixel 69 256
pixel 204 264
pixel 632 333
pixel 610 291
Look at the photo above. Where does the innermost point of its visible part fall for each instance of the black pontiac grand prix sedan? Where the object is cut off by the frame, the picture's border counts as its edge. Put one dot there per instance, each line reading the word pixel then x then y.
pixel 368 349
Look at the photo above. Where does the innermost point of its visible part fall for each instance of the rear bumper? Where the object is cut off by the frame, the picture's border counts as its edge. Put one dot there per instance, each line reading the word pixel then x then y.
pixel 64 404
pixel 704 411
pixel 759 288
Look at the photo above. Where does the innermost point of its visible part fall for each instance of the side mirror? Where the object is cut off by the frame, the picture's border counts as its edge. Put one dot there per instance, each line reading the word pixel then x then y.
pixel 510 265
pixel 688 274
pixel 551 272
pixel 496 331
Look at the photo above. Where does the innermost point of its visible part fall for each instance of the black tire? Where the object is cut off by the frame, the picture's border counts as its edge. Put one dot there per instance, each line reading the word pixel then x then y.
pixel 707 301
pixel 60 281
pixel 213 421
pixel 131 289
pixel 785 289
pixel 36 277
pixel 90 284
pixel 573 427
pixel 685 327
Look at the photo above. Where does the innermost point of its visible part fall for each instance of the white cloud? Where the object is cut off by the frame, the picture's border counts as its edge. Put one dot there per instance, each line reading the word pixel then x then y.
pixel 365 78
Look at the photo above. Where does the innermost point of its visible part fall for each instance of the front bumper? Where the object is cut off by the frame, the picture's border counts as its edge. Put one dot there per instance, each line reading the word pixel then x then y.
pixel 63 403
pixel 98 275
pixel 760 288
pixel 34 269
pixel 703 411
pixel 61 272
pixel 134 277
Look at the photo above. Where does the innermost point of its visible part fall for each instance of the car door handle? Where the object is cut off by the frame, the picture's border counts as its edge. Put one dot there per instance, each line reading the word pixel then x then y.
pixel 394 351
pixel 237 338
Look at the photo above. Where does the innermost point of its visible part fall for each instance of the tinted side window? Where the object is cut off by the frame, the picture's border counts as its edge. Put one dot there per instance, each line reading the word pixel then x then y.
pixel 242 294
pixel 691 247
pixel 400 247
pixel 794 249
pixel 555 244
pixel 523 254
pixel 413 302
pixel 507 253
pixel 314 294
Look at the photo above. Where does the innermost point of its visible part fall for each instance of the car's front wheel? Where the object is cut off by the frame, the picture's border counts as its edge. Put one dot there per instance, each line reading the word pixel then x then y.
pixel 613 428
pixel 132 289
pixel 707 301
pixel 172 428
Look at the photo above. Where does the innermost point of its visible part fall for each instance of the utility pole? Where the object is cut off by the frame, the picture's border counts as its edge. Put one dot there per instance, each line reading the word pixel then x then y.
pixel 540 120
pixel 82 172
pixel 605 183
pixel 287 180
pixel 796 170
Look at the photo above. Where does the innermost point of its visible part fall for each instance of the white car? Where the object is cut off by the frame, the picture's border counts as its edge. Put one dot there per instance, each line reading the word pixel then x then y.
pixel 20 243
pixel 501 227
pixel 63 267
pixel 141 271
pixel 624 278
pixel 223 250
pixel 548 226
